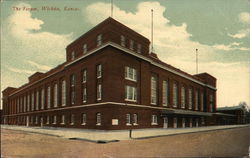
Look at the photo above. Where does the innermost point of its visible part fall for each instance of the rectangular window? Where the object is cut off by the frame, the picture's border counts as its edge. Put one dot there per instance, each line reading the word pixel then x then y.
pixel 21 104
pixel 73 55
pixel 138 48
pixel 130 73
pixel 165 93
pixel 84 95
pixel 99 40
pixel 131 44
pixel 37 100
pixel 24 103
pixel 42 99
pixel 196 100
pixel 123 41
pixel 183 97
pixel 183 122
pixel 202 101
pixel 62 119
pixel 84 119
pixel 99 71
pixel 55 96
pixel 72 88
pixel 153 90
pixel 32 101
pixel 135 121
pixel 17 105
pixel 54 119
pixel 203 121
pixel 175 122
pixel 28 103
pixel 154 120
pixel 130 93
pixel 72 119
pixel 99 92
pixel 47 120
pixel 36 120
pixel 190 98
pixel 190 122
pixel 84 76
pixel 85 48
pixel 63 93
pixel 128 119
pixel 197 122
pixel 211 102
pixel 175 95
pixel 98 119
pixel 48 97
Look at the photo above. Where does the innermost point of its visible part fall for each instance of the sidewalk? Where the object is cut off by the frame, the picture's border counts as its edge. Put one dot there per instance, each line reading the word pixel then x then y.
pixel 114 135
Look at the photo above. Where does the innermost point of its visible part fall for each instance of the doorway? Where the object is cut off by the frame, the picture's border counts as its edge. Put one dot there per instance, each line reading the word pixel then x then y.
pixel 165 122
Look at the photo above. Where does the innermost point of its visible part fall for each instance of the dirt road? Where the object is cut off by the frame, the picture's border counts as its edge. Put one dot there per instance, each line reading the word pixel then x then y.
pixel 222 143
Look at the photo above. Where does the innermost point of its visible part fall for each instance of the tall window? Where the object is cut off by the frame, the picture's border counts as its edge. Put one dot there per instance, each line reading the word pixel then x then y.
pixel 55 96
pixel 153 90
pixel 37 100
pixel 197 122
pixel 73 55
pixel 196 100
pixel 84 95
pixel 48 97
pixel 130 93
pixel 72 119
pixel 98 119
pixel 84 76
pixel 54 119
pixel 138 48
pixel 85 49
pixel 175 122
pixel 135 119
pixel 24 103
pixel 165 93
pixel 201 101
pixel 32 101
pixel 99 92
pixel 183 97
pixel 47 120
pixel 84 119
pixel 63 119
pixel 123 41
pixel 72 88
pixel 42 98
pixel 99 40
pixel 154 120
pixel 128 119
pixel 190 122
pixel 190 98
pixel 131 44
pixel 21 104
pixel 175 95
pixel 130 73
pixel 17 105
pixel 63 93
pixel 28 102
pixel 183 122
pixel 99 71
pixel 211 102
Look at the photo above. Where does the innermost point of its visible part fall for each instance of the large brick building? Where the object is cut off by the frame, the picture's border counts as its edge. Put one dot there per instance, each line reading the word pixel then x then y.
pixel 110 80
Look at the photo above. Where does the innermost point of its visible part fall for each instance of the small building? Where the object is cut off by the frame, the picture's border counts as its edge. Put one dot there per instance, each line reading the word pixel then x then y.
pixel 232 115
pixel 110 81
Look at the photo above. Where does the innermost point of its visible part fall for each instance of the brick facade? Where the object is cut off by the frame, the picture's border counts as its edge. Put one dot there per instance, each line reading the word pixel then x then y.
pixel 121 99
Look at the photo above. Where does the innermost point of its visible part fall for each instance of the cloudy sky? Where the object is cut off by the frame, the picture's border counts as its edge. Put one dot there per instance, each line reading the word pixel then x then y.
pixel 36 40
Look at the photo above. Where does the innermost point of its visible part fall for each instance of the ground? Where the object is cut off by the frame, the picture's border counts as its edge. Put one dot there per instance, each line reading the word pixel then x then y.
pixel 219 143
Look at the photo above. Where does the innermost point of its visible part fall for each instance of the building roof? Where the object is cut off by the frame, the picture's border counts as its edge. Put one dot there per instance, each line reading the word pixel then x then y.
pixel 228 108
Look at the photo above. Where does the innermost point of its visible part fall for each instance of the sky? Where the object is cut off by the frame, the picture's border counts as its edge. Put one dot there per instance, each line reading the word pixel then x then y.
pixel 35 40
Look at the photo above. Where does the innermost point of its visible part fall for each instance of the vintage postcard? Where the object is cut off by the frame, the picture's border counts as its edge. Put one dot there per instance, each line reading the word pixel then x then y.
pixel 125 78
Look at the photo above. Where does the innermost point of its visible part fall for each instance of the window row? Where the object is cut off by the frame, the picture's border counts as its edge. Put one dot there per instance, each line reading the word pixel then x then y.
pixel 49 96
pixel 132 45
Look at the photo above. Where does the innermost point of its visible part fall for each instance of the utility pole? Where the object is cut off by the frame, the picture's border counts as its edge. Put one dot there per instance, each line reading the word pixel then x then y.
pixel 152 28
pixel 196 61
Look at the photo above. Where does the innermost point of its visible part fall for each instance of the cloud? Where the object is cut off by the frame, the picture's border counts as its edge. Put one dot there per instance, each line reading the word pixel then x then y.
pixel 27 30
pixel 244 17
pixel 21 70
pixel 231 46
pixel 240 34
pixel 173 45
pixel 39 66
